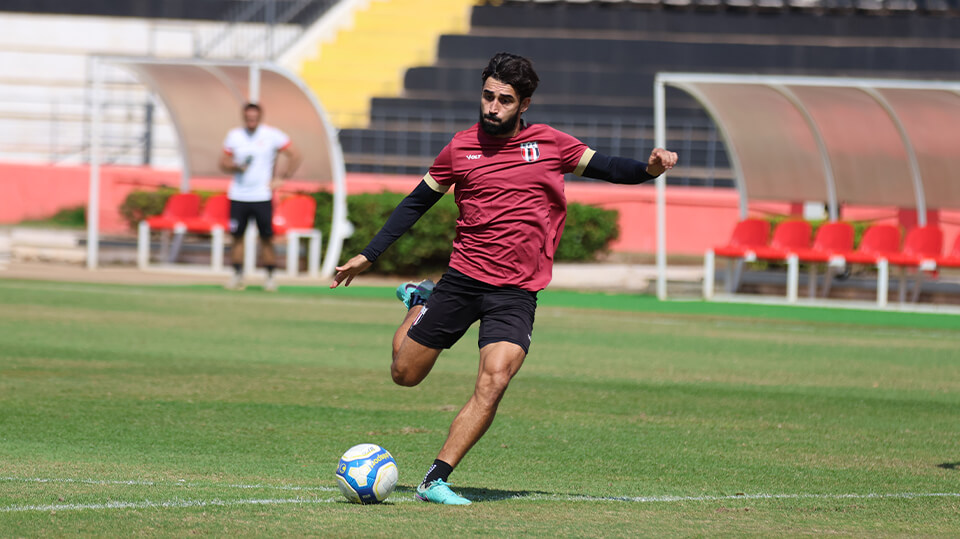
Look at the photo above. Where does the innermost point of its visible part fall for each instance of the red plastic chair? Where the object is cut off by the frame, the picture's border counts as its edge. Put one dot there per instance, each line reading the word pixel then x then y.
pixel 833 239
pixel 214 219
pixel 923 243
pixel 879 242
pixel 832 243
pixel 921 249
pixel 215 213
pixel 951 259
pixel 748 236
pixel 788 238
pixel 294 218
pixel 176 211
pixel 293 213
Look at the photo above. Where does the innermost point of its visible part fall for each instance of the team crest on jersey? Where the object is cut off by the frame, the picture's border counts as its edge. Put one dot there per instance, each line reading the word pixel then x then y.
pixel 530 151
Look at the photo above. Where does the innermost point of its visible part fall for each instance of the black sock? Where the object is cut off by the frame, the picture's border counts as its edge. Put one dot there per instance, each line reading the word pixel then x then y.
pixel 238 268
pixel 439 470
pixel 417 299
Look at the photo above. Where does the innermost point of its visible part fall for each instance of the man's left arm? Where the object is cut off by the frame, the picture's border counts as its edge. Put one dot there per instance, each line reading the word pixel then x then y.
pixel 292 160
pixel 624 170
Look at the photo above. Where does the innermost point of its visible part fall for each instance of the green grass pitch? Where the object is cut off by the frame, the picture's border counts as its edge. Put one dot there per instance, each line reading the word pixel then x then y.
pixel 176 411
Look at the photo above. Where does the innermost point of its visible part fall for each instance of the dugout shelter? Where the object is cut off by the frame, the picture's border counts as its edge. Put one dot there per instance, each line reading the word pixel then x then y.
pixel 204 100
pixel 833 140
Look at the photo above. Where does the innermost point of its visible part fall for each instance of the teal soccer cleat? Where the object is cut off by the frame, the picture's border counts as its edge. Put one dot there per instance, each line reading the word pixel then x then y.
pixel 410 293
pixel 438 491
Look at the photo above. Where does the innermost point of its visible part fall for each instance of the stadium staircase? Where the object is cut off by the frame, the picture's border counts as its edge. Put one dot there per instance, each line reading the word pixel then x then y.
pixel 597 63
pixel 369 58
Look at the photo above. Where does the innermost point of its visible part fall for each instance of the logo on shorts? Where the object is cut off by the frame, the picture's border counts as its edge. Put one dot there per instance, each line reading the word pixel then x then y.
pixel 423 311
pixel 530 151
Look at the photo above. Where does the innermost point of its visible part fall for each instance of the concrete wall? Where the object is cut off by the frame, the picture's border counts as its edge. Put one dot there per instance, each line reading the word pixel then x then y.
pixel 696 218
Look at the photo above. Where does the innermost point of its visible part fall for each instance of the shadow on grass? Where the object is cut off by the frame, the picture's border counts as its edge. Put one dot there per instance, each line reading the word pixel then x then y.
pixel 482 494
pixel 949 465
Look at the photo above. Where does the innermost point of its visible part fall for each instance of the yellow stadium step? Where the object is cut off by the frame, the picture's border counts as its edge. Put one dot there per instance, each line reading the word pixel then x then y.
pixel 369 57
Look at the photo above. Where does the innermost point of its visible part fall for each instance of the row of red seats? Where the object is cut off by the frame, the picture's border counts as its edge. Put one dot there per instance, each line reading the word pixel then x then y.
pixel 183 211
pixel 833 244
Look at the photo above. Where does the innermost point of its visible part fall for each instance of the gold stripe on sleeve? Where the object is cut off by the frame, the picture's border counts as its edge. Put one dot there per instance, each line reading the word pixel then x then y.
pixel 584 161
pixel 436 186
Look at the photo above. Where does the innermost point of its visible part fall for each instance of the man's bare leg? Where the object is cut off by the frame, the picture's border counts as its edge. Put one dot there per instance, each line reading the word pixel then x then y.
pixel 268 252
pixel 412 361
pixel 499 362
pixel 236 260
pixel 269 256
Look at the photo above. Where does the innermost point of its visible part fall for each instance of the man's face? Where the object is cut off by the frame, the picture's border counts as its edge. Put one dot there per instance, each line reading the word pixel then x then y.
pixel 251 119
pixel 500 108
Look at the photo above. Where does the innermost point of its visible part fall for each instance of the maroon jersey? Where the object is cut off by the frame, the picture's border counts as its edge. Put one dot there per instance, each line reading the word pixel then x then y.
pixel 511 200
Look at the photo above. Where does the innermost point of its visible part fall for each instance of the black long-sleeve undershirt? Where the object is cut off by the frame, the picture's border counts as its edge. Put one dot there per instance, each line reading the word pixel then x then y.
pixel 404 216
pixel 620 170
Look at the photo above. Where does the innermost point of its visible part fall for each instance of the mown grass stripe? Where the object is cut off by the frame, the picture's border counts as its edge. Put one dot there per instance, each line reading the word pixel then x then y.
pixel 216 502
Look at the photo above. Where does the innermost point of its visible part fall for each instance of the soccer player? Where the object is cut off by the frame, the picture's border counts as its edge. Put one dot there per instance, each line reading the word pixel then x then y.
pixel 509 190
pixel 250 154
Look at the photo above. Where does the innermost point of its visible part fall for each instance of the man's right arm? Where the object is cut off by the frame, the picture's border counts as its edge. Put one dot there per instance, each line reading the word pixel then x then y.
pixel 408 212
pixel 227 166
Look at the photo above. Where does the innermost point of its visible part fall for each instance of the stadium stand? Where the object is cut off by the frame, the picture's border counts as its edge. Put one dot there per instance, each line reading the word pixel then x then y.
pixel 597 61
pixel 369 57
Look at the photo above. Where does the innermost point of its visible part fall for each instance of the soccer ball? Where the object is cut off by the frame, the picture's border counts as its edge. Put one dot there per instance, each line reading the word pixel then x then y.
pixel 367 473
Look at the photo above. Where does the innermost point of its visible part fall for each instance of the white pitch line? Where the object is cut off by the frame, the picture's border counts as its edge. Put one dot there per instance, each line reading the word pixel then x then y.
pixel 178 503
pixel 668 499
pixel 142 483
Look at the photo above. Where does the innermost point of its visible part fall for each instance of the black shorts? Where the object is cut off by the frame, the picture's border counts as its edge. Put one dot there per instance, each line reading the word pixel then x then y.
pixel 505 313
pixel 241 212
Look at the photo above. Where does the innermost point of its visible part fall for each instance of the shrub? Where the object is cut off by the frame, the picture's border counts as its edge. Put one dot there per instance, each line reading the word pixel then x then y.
pixel 588 232
pixel 142 204
pixel 426 246
pixel 75 217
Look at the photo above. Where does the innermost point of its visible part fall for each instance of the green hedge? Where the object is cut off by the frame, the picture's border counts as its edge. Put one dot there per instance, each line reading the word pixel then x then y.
pixel 425 247
pixel 142 204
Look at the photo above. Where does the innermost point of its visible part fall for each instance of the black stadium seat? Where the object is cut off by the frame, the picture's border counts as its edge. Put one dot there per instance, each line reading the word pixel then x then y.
pixel 597 61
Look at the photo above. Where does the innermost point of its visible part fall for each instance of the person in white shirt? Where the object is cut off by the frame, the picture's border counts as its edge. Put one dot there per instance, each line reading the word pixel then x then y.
pixel 250 154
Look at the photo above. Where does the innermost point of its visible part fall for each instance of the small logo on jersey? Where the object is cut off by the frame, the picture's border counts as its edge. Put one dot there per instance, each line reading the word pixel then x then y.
pixel 530 151
pixel 474 156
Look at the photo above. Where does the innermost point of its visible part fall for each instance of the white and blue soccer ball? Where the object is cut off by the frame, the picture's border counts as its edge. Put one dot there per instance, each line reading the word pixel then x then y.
pixel 367 474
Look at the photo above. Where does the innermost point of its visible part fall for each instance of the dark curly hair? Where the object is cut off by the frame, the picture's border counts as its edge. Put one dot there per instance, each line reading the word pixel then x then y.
pixel 514 70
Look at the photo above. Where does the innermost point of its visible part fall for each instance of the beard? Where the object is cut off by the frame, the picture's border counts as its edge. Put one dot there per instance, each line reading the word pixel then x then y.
pixel 492 127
